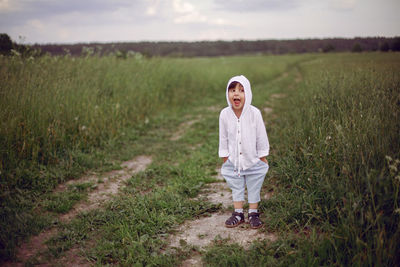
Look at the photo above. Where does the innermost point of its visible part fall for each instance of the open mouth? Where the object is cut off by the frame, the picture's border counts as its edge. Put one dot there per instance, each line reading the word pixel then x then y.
pixel 236 101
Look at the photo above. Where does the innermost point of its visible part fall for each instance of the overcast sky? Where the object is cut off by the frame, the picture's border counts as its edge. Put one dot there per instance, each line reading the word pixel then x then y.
pixel 70 21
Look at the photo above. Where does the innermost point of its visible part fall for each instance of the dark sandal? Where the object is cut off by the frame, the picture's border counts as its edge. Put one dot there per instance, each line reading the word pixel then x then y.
pixel 233 221
pixel 254 220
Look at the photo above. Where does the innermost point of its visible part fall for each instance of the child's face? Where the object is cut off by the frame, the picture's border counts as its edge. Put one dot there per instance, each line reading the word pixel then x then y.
pixel 236 97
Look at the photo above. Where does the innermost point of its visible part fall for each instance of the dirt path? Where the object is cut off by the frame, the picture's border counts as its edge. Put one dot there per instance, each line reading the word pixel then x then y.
pixel 110 184
pixel 183 128
pixel 204 231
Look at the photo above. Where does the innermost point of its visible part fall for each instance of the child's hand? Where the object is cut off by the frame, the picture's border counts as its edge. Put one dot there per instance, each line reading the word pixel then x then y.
pixel 264 159
pixel 225 159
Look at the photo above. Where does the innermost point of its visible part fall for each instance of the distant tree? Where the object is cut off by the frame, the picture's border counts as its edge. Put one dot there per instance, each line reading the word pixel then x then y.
pixel 328 48
pixel 384 47
pixel 357 48
pixel 6 44
pixel 396 44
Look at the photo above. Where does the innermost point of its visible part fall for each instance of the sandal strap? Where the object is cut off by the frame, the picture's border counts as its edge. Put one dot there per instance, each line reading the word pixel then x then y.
pixel 254 214
pixel 233 220
pixel 254 219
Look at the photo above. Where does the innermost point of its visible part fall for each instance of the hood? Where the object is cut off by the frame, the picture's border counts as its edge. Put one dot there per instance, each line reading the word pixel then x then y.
pixel 247 90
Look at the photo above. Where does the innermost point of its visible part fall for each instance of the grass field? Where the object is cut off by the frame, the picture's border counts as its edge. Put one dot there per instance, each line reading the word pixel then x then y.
pixel 334 159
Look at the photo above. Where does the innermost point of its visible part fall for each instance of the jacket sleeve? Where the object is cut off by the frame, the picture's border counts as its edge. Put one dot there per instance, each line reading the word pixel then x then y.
pixel 223 150
pixel 262 137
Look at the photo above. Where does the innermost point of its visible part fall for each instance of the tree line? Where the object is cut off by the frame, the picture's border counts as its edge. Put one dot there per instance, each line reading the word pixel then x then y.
pixel 209 48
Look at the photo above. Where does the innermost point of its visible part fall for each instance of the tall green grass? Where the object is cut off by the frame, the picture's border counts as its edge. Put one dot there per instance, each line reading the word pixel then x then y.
pixel 54 105
pixel 338 158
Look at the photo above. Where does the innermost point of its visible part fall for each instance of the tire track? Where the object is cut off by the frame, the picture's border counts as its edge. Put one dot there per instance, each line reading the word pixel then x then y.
pixel 112 182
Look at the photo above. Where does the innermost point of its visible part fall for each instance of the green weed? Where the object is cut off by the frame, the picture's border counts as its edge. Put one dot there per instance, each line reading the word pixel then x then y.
pixel 342 123
pixel 62 202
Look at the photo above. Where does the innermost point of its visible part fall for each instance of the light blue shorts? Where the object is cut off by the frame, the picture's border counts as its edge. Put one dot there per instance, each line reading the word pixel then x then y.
pixel 253 178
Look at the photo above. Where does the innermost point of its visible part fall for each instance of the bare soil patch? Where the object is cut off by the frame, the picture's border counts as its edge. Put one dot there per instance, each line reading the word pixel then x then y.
pixel 269 115
pixel 112 182
pixel 282 76
pixel 203 231
pixel 193 262
pixel 31 248
pixel 219 193
pixel 268 195
pixel 278 96
pixel 268 110
pixel 214 108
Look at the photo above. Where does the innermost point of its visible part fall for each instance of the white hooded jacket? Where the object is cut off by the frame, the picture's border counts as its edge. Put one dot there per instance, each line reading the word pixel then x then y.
pixel 243 140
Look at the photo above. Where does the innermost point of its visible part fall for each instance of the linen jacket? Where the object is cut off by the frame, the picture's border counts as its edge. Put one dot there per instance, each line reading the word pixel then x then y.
pixel 243 140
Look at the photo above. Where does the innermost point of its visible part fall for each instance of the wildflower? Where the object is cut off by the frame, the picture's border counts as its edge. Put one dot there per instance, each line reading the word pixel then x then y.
pixel 327 139
pixel 83 128
pixel 15 53
pixel 76 118
pixel 388 158
pixel 393 168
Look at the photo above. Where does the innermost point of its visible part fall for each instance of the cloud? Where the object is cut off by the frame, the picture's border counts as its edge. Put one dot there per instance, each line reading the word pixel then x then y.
pixel 5 5
pixel 45 20
pixel 187 13
pixel 146 20
pixel 17 12
pixel 55 7
pixel 256 5
pixel 343 4
pixel 182 7
pixel 36 24
pixel 152 7
pixel 273 6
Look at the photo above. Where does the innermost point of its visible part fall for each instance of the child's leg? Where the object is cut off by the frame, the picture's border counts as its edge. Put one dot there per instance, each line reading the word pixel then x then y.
pixel 254 180
pixel 253 206
pixel 237 185
pixel 238 204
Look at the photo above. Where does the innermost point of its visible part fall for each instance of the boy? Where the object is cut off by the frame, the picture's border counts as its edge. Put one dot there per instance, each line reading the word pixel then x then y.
pixel 243 145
